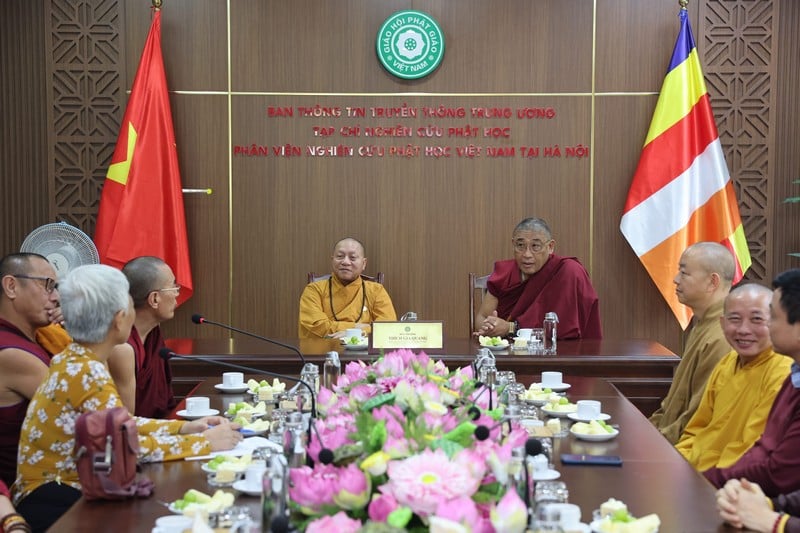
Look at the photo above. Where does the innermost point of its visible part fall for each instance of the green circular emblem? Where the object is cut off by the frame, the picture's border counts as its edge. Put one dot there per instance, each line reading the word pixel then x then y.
pixel 410 44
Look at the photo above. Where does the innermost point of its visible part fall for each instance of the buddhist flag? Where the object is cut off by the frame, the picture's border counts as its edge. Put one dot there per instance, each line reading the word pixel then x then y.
pixel 141 207
pixel 681 192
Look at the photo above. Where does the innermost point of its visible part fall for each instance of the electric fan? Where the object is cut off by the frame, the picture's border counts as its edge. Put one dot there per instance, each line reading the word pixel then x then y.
pixel 65 246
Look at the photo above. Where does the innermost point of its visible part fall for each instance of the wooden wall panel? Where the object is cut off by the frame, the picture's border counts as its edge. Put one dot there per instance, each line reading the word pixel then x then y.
pixel 24 198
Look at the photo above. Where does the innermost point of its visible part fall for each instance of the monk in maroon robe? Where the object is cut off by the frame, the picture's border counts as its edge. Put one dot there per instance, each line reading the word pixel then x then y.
pixel 535 282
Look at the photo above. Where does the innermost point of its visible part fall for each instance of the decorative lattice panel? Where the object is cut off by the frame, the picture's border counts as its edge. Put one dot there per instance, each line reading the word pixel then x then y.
pixel 736 43
pixel 85 66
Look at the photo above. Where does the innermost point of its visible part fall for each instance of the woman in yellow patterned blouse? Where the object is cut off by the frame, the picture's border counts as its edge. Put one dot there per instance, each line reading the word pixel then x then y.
pixel 99 314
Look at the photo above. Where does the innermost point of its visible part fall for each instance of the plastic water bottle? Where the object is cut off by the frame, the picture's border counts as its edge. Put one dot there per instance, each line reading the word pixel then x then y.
pixel 331 370
pixel 550 333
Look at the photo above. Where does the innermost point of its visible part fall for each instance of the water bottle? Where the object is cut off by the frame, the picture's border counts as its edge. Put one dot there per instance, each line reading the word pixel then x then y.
pixel 309 374
pixel 294 441
pixel 550 333
pixel 331 370
pixel 274 493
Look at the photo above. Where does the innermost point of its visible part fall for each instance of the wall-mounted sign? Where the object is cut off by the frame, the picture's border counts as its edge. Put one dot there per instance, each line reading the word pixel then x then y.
pixel 410 44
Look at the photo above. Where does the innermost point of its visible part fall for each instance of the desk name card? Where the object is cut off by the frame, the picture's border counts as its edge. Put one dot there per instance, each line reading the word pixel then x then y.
pixel 418 334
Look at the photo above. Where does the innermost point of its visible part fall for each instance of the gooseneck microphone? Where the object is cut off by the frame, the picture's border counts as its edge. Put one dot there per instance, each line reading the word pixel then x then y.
pixel 168 354
pixel 200 319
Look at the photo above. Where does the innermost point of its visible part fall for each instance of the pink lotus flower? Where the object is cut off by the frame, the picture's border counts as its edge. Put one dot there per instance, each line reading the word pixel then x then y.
pixel 340 523
pixel 460 510
pixel 313 488
pixel 354 488
pixel 332 438
pixel 422 481
pixel 380 507
pixel 510 515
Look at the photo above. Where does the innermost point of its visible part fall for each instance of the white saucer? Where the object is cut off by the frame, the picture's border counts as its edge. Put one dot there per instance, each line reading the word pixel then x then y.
pixel 194 416
pixel 242 486
pixel 496 348
pixel 546 475
pixel 232 390
pixel 558 387
pixel 362 346
pixel 556 414
pixel 576 418
pixel 344 340
pixel 582 528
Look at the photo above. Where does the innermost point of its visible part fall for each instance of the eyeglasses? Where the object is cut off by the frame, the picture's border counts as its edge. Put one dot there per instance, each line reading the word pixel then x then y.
pixel 535 247
pixel 176 288
pixel 49 286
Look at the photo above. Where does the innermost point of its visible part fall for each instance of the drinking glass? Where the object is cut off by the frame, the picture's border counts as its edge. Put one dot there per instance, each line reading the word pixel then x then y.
pixel 547 519
pixel 550 492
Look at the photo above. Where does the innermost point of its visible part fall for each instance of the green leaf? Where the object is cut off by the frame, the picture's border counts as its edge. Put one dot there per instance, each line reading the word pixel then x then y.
pixel 377 401
pixel 447 446
pixel 399 517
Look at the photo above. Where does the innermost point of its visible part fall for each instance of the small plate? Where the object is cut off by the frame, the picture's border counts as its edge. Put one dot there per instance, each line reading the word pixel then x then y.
pixel 594 527
pixel 205 468
pixel 600 437
pixel 173 509
pixel 242 486
pixel 194 416
pixel 546 475
pixel 212 481
pixel 558 387
pixel 496 348
pixel 344 341
pixel 557 414
pixel 238 389
pixel 362 346
pixel 576 418
pixel 581 528
pixel 252 432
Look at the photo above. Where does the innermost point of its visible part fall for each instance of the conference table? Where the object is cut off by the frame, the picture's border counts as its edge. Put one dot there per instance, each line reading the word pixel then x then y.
pixel 641 369
pixel 654 478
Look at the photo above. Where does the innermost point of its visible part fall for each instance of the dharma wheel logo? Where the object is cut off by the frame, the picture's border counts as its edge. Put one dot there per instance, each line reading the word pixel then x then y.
pixel 410 44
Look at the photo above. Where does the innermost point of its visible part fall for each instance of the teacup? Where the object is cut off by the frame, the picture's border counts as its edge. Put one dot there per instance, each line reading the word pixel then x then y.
pixel 525 333
pixel 232 379
pixel 197 405
pixel 589 409
pixel 173 523
pixel 254 475
pixel 551 379
pixel 353 332
pixel 540 463
pixel 570 515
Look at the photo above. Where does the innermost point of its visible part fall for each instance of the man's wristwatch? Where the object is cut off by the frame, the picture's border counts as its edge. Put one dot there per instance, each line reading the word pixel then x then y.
pixel 512 327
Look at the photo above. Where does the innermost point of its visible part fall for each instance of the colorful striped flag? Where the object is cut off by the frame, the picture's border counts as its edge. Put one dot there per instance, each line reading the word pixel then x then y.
pixel 681 192
pixel 141 206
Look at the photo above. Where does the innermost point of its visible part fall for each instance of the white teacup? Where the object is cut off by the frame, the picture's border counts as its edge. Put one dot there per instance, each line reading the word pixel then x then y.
pixel 570 515
pixel 525 333
pixel 254 475
pixel 353 332
pixel 540 463
pixel 551 379
pixel 197 405
pixel 589 409
pixel 232 379
pixel 173 523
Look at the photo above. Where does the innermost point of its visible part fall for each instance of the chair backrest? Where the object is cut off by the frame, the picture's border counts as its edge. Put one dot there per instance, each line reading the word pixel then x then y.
pixel 377 279
pixel 476 283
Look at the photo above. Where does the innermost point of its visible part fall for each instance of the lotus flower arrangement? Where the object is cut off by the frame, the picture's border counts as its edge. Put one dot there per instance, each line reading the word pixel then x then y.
pixel 405 454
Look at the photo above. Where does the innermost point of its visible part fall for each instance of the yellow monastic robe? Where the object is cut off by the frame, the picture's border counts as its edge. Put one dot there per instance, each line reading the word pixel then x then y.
pixel 359 301
pixel 733 412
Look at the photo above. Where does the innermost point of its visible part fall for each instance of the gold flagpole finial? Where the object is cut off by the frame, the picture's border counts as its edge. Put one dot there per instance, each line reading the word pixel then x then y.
pixel 156 4
pixel 683 3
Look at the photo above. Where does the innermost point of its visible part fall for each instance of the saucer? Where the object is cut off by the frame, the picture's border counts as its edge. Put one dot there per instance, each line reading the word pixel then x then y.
pixel 556 414
pixel 362 346
pixel 344 340
pixel 576 418
pixel 496 348
pixel 242 486
pixel 194 416
pixel 557 387
pixel 595 437
pixel 580 528
pixel 236 389
pixel 546 475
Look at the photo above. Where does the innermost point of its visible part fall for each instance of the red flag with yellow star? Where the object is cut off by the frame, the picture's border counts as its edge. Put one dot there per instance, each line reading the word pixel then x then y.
pixel 141 207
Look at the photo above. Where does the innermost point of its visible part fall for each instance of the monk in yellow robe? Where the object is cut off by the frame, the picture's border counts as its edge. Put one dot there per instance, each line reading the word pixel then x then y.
pixel 344 300
pixel 740 392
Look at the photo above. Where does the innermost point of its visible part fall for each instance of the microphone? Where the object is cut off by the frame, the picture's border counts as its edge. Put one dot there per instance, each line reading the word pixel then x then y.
pixel 168 354
pixel 200 319
pixel 533 447
pixel 325 455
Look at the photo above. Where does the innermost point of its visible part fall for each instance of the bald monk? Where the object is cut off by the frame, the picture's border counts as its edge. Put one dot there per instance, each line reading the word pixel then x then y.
pixel 345 300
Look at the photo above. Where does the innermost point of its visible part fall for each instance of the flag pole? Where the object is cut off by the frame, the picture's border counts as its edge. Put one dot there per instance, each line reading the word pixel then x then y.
pixel 157 4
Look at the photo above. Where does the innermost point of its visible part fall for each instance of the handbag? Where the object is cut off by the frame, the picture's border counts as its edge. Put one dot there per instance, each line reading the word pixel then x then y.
pixel 106 456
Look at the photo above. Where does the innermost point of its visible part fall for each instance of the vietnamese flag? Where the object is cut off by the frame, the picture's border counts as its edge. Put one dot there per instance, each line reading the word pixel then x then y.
pixel 141 207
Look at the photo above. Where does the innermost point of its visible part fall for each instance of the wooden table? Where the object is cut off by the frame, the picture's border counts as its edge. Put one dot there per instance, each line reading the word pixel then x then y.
pixel 642 370
pixel 654 478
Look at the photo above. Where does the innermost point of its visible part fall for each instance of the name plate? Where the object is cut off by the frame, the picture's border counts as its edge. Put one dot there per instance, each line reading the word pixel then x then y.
pixel 417 334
